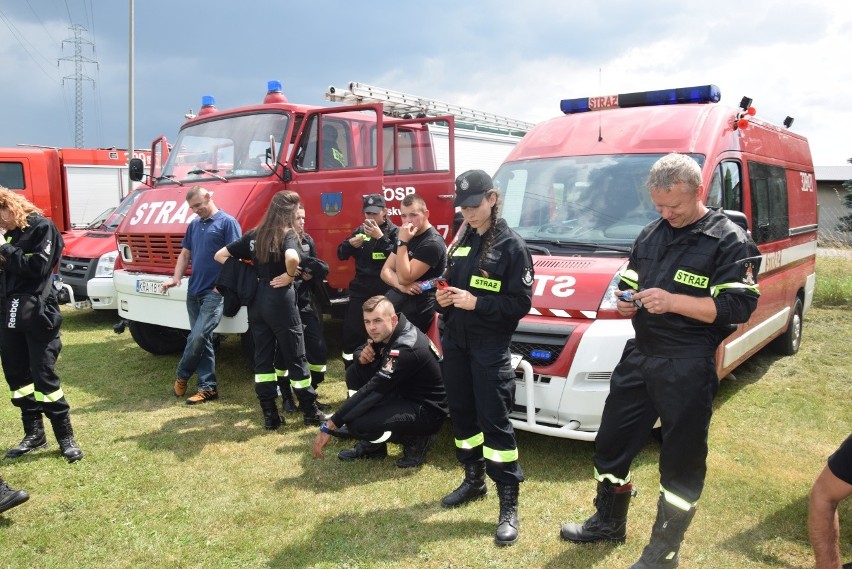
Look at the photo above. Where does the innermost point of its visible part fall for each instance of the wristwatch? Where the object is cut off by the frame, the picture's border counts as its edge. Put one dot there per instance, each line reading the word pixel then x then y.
pixel 400 243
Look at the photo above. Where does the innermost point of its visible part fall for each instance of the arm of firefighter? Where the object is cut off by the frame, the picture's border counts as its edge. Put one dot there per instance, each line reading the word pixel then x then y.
pixel 345 249
pixel 823 522
pixel 222 255
pixel 388 273
pixel 395 364
pixel 180 269
pixel 39 263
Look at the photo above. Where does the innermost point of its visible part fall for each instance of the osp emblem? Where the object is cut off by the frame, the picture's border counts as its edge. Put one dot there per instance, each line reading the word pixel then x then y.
pixel 332 203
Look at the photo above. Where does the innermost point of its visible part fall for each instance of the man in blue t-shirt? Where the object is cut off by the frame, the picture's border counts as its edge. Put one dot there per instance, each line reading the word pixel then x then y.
pixel 206 234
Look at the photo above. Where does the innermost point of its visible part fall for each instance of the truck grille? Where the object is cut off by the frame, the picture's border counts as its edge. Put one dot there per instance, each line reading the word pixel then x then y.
pixel 153 250
pixel 76 267
pixel 540 345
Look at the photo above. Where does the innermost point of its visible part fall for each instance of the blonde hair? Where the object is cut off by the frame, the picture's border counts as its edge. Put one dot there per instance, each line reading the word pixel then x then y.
pixel 18 205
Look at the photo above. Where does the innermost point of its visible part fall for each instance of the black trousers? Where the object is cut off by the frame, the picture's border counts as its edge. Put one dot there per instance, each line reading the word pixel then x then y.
pixel 678 391
pixel 394 418
pixel 480 387
pixel 29 364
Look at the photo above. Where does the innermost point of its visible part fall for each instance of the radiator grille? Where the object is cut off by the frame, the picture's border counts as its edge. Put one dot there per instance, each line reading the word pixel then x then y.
pixel 154 250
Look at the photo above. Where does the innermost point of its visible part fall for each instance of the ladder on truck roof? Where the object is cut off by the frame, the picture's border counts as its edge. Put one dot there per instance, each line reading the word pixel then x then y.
pixel 404 105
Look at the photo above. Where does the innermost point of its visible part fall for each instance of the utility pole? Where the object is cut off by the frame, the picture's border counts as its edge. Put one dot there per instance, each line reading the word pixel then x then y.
pixel 78 59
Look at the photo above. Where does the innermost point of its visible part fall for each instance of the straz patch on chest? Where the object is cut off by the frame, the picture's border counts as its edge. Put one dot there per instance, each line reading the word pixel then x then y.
pixel 690 279
pixel 486 284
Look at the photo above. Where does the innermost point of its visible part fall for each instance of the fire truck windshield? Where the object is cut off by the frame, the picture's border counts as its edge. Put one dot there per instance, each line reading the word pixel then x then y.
pixel 588 200
pixel 230 147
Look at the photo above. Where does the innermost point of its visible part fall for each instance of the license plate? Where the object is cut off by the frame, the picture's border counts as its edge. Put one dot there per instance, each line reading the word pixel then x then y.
pixel 149 287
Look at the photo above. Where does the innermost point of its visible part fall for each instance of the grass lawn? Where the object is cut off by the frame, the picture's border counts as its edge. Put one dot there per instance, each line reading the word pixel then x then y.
pixel 168 485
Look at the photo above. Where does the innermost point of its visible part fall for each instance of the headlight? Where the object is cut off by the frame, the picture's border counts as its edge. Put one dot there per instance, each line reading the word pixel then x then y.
pixel 106 264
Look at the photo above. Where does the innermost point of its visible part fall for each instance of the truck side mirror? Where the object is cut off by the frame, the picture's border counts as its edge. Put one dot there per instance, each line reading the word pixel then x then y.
pixel 136 169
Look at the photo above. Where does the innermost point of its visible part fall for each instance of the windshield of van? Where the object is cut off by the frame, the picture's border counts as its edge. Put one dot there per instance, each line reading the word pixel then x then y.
pixel 227 147
pixel 112 222
pixel 580 201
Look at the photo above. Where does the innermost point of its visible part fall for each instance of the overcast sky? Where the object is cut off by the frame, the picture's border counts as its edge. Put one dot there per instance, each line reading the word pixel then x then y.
pixel 506 57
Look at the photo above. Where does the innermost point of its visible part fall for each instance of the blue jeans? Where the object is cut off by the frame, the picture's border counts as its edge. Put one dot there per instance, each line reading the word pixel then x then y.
pixel 205 313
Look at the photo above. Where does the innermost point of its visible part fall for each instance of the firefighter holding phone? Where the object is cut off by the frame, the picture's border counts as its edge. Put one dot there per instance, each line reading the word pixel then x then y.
pixel 490 278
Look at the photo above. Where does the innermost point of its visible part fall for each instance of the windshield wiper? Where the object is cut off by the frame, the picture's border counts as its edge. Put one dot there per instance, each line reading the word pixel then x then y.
pixel 170 178
pixel 580 244
pixel 209 173
pixel 538 249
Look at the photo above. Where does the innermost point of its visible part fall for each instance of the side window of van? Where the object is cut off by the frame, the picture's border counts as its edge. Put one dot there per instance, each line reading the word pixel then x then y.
pixel 726 188
pixel 770 214
pixel 12 175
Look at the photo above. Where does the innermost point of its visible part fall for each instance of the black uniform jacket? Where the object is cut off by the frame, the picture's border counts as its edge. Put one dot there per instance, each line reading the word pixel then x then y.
pixel 712 257
pixel 243 248
pixel 314 266
pixel 408 367
pixel 502 285
pixel 31 253
pixel 369 258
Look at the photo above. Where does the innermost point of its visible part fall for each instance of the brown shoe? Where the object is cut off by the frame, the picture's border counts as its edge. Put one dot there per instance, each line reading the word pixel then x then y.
pixel 180 387
pixel 202 397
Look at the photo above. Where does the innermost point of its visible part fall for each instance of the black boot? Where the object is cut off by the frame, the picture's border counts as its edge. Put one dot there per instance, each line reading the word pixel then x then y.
pixel 33 435
pixel 364 449
pixel 472 487
pixel 508 523
pixel 311 414
pixel 289 404
pixel 414 450
pixel 609 523
pixel 271 419
pixel 10 498
pixel 662 552
pixel 65 436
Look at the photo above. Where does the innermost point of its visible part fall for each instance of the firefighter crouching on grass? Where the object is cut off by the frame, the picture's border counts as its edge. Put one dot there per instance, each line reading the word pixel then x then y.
pixel 29 332
pixel 396 391
pixel 490 274
pixel 696 275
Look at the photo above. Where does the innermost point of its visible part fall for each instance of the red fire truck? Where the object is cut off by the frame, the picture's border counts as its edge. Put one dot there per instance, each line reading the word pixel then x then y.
pixel 330 156
pixel 574 188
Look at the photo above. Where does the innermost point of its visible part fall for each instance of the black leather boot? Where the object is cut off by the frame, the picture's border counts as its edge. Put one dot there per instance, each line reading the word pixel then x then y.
pixel 10 498
pixel 662 552
pixel 33 435
pixel 414 450
pixel 472 487
pixel 271 419
pixel 609 523
pixel 311 414
pixel 289 404
pixel 65 436
pixel 508 523
pixel 364 449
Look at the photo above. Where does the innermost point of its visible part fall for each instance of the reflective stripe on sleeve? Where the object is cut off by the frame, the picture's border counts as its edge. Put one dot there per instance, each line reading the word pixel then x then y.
pixel 720 288
pixel 347 356
pixel 630 278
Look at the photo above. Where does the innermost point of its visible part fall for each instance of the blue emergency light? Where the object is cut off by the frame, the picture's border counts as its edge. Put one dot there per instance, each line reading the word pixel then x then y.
pixel 679 96
pixel 540 354
pixel 208 100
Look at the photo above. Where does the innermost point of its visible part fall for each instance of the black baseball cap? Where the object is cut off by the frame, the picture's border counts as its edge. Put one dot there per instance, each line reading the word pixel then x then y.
pixel 471 187
pixel 373 203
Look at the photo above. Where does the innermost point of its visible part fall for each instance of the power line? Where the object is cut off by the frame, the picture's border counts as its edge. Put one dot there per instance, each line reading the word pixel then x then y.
pixel 21 39
pixel 78 59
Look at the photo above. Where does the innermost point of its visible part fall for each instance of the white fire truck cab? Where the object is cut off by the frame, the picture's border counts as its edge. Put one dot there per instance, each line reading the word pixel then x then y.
pixel 574 189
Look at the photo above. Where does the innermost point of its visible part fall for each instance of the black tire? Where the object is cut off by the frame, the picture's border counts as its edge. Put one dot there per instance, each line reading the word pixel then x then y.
pixel 788 343
pixel 158 340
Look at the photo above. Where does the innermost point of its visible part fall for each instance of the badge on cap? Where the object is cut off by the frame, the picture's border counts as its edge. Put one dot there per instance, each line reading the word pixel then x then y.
pixel 464 185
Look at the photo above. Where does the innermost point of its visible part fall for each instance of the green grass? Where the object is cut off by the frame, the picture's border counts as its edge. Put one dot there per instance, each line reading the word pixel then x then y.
pixel 834 281
pixel 167 485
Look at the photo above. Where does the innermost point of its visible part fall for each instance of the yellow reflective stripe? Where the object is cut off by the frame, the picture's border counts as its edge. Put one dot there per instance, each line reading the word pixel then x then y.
pixel 385 436
pixel 378 256
pixel 621 482
pixel 717 289
pixel 50 397
pixel 486 284
pixel 317 367
pixel 691 279
pixel 500 455
pixel 631 278
pixel 676 500
pixel 347 356
pixel 338 155
pixel 281 372
pixel 300 383
pixel 473 442
pixel 264 377
pixel 23 391
pixel 461 252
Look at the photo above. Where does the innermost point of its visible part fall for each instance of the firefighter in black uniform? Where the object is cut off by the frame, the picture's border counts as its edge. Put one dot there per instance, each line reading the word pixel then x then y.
pixel 692 275
pixel 312 271
pixel 273 247
pixel 29 332
pixel 396 391
pixel 490 276
pixel 371 244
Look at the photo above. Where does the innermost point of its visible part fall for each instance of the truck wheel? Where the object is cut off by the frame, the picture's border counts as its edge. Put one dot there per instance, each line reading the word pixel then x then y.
pixel 788 343
pixel 247 347
pixel 158 340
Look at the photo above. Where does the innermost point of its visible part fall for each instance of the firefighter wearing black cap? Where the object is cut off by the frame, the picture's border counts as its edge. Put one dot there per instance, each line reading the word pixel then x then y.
pixel 29 331
pixel 692 275
pixel 370 244
pixel 490 279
